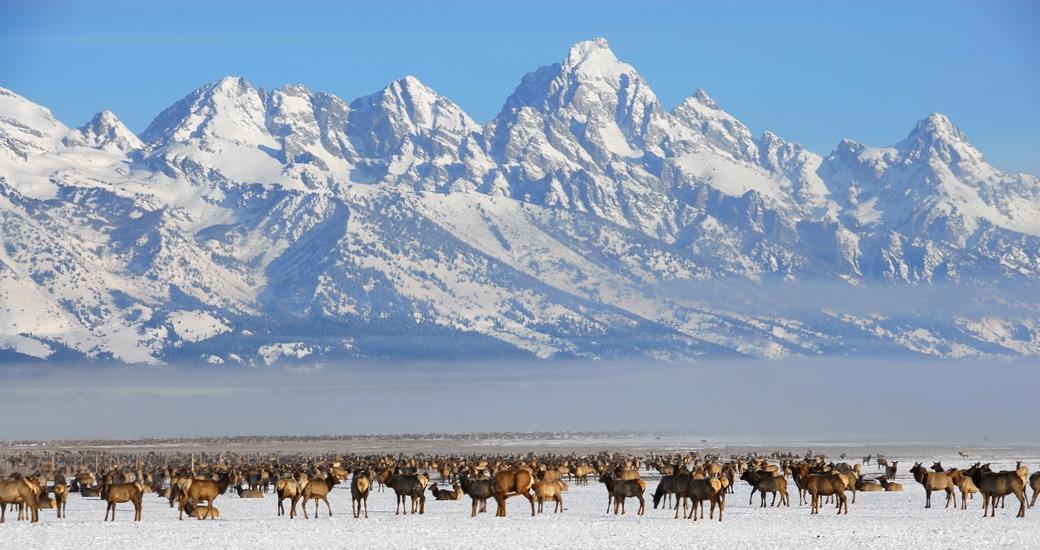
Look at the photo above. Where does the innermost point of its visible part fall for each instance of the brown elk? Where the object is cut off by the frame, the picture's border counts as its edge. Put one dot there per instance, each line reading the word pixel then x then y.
pixel 890 486
pixel 509 483
pixel 317 489
pixel 360 485
pixel 934 481
pixel 961 481
pixel 249 493
pixel 766 482
pixel 22 493
pixel 123 492
pixel 549 490
pixel 455 493
pixel 200 512
pixel 869 486
pixel 287 488
pixel 197 490
pixel 61 495
pixel 999 484
pixel 831 483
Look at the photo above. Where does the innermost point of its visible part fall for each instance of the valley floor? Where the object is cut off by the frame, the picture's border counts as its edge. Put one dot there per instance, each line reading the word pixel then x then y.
pixel 875 520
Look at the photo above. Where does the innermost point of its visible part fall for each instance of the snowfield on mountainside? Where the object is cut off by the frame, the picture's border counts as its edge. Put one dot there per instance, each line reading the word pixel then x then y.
pixel 253 226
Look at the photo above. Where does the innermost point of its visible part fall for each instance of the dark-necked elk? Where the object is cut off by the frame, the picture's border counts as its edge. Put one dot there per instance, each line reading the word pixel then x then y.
pixel 22 493
pixel 890 470
pixel 766 482
pixel 698 490
pixel 934 481
pixel 360 485
pixel 317 489
pixel 197 490
pixel 665 488
pixel 122 492
pixel 479 490
pixel 1034 483
pixel 620 489
pixel 827 484
pixel 510 483
pixel 999 484
pixel 408 486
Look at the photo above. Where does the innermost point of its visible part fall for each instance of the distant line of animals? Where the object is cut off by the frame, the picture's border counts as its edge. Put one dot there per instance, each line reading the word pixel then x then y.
pixel 689 479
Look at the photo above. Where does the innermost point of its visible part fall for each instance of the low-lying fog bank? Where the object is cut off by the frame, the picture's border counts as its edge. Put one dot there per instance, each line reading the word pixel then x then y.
pixel 804 400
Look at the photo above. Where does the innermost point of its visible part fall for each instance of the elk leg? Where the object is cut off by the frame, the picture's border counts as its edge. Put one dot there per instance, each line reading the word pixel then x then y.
pixel 327 505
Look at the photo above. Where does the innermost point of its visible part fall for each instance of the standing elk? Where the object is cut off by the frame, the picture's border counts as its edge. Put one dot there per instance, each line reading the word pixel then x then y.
pixel 22 493
pixel 1034 483
pixel 408 486
pixel 934 481
pixel 620 489
pixel 827 484
pixel 510 483
pixel 999 484
pixel 123 492
pixel 766 482
pixel 479 490
pixel 360 485
pixel 287 488
pixel 196 490
pixel 317 489
pixel 549 490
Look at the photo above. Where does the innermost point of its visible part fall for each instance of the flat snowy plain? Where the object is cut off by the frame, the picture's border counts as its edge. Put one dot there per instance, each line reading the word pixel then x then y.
pixel 875 520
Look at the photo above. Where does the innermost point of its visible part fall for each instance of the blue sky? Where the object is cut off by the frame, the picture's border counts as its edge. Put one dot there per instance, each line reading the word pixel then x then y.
pixel 813 72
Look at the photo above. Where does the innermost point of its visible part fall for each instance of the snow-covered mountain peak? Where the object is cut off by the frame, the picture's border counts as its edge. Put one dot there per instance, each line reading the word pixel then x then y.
pixel 937 137
pixel 26 128
pixel 594 58
pixel 314 227
pixel 708 121
pixel 414 107
pixel 105 131
pixel 230 109
pixel 701 95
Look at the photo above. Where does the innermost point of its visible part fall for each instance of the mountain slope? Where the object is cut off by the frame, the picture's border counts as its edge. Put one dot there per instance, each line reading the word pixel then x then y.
pixel 586 220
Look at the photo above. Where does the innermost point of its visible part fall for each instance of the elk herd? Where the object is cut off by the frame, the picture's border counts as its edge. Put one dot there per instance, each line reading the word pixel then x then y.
pixel 688 480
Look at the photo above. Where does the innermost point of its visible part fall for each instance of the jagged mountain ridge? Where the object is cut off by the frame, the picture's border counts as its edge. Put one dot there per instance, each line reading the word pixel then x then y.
pixel 255 226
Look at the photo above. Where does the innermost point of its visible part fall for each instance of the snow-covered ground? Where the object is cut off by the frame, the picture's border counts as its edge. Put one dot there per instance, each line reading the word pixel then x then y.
pixel 876 520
